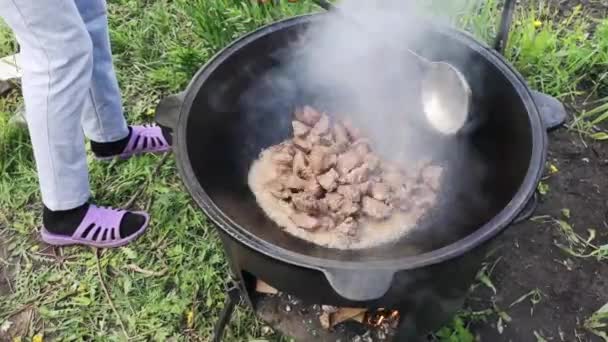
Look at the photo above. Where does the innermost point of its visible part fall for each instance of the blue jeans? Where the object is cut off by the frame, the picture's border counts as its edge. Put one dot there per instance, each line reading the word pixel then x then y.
pixel 69 87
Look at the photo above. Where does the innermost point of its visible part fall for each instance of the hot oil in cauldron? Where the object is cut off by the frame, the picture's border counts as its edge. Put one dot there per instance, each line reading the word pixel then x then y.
pixel 327 186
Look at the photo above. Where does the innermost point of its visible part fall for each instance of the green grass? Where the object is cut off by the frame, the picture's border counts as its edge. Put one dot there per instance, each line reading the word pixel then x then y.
pixel 158 45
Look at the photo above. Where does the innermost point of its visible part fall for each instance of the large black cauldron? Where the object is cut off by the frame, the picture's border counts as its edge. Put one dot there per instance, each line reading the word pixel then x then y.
pixel 426 275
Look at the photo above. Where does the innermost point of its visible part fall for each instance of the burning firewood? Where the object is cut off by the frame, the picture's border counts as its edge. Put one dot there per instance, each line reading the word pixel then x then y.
pixel 263 287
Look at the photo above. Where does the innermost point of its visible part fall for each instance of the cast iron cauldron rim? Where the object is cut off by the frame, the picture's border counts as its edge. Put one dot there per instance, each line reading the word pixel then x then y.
pixel 453 250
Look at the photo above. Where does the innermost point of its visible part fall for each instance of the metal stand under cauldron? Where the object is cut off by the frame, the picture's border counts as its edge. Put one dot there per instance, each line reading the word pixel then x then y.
pixel 292 317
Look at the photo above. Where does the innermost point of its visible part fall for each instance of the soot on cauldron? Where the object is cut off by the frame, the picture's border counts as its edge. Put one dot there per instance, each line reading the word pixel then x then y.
pixel 326 185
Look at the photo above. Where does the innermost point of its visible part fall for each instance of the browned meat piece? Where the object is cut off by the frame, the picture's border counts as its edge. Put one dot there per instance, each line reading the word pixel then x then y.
pixel 321 159
pixel 348 208
pixel 314 188
pixel 305 202
pixel 303 144
pixel 294 182
pixel 348 161
pixel 361 146
pixel 299 166
pixel 288 148
pixel 329 180
pixel 372 161
pixel 299 129
pixel 341 135
pixel 321 127
pixel 327 223
pixel 334 201
pixel 380 191
pixel 351 192
pixel 313 139
pixel 348 227
pixel 431 175
pixel 308 116
pixel 305 221
pixel 375 209
pixel 357 176
pixel 352 131
pixel 278 190
pixel 364 187
pixel 327 139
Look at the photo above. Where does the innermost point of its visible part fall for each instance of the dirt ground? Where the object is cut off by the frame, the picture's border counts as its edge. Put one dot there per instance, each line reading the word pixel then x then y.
pixel 596 8
pixel 572 288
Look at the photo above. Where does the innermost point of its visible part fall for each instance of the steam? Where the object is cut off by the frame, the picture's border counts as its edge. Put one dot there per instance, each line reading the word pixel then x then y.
pixel 358 70
pixel 357 64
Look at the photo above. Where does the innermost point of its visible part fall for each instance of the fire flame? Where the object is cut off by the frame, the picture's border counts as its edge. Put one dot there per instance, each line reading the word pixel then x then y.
pixel 376 319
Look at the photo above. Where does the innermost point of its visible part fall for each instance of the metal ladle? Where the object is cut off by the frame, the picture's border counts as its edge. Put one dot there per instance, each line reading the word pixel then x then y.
pixel 445 92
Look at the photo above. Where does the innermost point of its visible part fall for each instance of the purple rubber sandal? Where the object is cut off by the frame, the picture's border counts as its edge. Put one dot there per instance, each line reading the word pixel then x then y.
pixel 99 228
pixel 144 139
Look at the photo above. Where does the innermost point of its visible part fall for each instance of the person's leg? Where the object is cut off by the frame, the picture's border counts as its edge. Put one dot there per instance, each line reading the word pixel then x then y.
pixel 103 119
pixel 57 64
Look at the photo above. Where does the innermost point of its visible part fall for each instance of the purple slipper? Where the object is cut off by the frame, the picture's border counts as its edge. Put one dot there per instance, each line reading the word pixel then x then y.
pixel 144 139
pixel 99 228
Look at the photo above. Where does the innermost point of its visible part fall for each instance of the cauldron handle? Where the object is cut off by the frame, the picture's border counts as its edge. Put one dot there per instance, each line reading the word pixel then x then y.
pixel 360 285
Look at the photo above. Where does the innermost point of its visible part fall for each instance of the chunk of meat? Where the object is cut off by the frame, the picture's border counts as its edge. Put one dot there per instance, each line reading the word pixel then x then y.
pixel 321 159
pixel 294 182
pixel 361 146
pixel 364 187
pixel 305 202
pixel 300 168
pixel 305 221
pixel 313 139
pixel 329 180
pixel 278 190
pixel 314 188
pixel 308 116
pixel 341 135
pixel 352 131
pixel 375 209
pixel 351 192
pixel 303 144
pixel 327 139
pixel 334 201
pixel 372 161
pixel 357 176
pixel 348 227
pixel 287 147
pixel 431 175
pixel 348 161
pixel 380 191
pixel 321 127
pixel 348 208
pixel 299 129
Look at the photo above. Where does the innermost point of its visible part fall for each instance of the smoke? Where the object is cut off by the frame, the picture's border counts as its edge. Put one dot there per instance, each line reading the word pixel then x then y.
pixel 354 64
